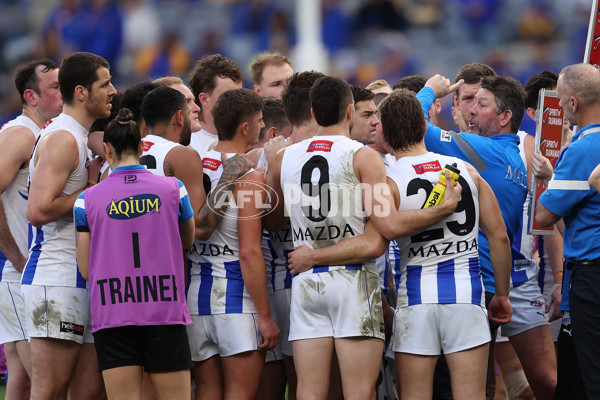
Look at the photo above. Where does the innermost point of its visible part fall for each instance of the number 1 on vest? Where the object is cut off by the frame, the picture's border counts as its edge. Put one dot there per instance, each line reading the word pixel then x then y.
pixel 136 250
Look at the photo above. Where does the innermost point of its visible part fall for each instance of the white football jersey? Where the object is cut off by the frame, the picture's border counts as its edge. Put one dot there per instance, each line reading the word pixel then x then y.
pixel 52 259
pixel 202 140
pixel 440 264
pixel 156 149
pixel 216 284
pixel 524 265
pixel 322 194
pixel 14 200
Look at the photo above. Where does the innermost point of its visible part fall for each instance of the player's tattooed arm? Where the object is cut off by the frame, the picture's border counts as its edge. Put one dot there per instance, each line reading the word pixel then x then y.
pixel 211 213
pixel 168 169
pixel 234 168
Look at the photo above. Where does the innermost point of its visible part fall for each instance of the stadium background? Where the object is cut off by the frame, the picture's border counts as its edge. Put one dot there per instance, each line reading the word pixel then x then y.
pixel 361 40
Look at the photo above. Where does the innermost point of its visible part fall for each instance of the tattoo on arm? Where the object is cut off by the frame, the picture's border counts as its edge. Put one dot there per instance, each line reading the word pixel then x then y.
pixel 168 169
pixel 212 211
pixel 233 168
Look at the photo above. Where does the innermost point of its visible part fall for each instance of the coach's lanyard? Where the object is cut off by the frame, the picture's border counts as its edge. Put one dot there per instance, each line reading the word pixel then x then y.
pixel 588 132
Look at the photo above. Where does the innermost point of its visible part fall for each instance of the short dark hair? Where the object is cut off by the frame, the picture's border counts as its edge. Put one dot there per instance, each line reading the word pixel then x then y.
pixel 78 69
pixel 123 134
pixel 413 83
pixel 474 72
pixel 232 108
pixel 26 77
pixel 329 98
pixel 264 60
pixel 133 97
pixel 402 119
pixel 202 77
pixel 102 123
pixel 296 96
pixel 509 95
pixel 361 94
pixel 542 80
pixel 160 104
pixel 273 116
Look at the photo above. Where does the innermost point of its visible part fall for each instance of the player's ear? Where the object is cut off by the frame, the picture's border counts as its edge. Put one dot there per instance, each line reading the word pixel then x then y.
pixel 81 93
pixel 349 111
pixel 203 99
pixel 531 112
pixel 179 117
pixel 30 97
pixel 243 127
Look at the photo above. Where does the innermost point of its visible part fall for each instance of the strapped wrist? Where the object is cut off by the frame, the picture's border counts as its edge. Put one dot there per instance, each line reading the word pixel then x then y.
pixel 556 286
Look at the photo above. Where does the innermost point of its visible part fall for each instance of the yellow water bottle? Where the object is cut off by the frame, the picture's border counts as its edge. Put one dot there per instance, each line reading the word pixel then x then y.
pixel 437 194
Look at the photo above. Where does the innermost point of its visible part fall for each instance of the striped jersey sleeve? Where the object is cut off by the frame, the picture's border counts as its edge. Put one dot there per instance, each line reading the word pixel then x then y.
pixel 185 206
pixel 81 223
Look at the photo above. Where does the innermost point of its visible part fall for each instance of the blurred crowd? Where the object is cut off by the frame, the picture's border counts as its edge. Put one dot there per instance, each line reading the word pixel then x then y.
pixel 365 39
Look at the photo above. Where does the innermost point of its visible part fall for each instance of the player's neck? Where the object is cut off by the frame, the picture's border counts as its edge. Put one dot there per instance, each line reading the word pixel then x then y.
pixel 304 131
pixel 79 114
pixel 209 126
pixel 158 132
pixel 378 148
pixel 232 146
pixel 341 129
pixel 34 115
pixel 162 130
pixel 415 151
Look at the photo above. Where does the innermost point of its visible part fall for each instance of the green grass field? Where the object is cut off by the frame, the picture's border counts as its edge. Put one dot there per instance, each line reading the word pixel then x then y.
pixel 2 392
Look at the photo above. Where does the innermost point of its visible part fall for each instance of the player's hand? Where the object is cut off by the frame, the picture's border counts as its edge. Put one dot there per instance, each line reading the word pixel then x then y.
pixel 236 166
pixel 441 85
pixel 388 319
pixel 500 310
pixel 272 147
pixel 451 194
pixel 94 170
pixel 269 333
pixel 300 259
pixel 554 304
pixel 19 263
pixel 541 167
pixel 262 171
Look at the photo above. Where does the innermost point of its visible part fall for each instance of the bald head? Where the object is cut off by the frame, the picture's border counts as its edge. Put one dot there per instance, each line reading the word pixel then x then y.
pixel 581 81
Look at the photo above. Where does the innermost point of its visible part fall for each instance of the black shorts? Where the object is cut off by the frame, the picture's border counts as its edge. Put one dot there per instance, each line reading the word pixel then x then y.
pixel 157 348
